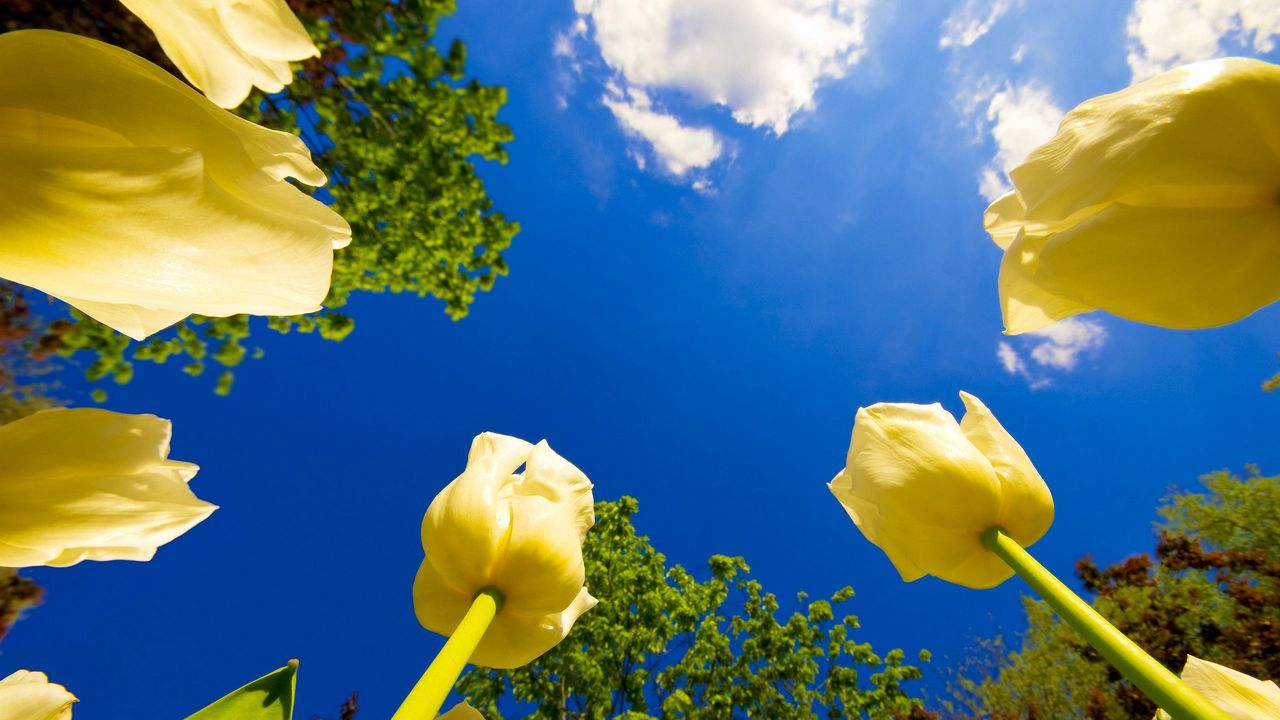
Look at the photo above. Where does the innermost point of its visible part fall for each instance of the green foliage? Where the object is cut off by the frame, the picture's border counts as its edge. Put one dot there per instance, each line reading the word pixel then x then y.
pixel 270 697
pixel 1237 514
pixel 398 128
pixel 664 644
pixel 1212 590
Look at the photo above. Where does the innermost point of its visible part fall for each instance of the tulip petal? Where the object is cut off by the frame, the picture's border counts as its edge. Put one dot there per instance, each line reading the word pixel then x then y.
pixel 1025 304
pixel 1203 134
pixel 227 47
pixel 26 695
pixel 131 320
pixel 63 442
pixel 56 205
pixel 266 28
pixel 918 549
pixel 1004 218
pixel 515 639
pixel 467 526
pixel 1026 506
pixel 1175 267
pixel 186 206
pixel 89 484
pixel 542 569
pixel 900 449
pixel 1238 695
pixel 551 476
pixel 438 605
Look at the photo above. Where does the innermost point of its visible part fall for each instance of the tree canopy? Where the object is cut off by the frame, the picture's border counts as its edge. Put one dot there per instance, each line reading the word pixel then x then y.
pixel 663 644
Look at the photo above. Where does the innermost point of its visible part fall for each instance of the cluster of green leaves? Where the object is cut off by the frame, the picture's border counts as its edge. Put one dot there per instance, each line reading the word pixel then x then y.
pixel 1212 590
pixel 398 128
pixel 664 644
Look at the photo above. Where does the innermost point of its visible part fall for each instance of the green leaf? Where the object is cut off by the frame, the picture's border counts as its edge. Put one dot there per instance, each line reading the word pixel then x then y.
pixel 270 697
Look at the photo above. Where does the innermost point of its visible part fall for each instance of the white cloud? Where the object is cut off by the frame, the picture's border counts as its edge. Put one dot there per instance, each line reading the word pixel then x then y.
pixel 1167 33
pixel 1010 359
pixel 1063 342
pixel 1020 117
pixel 678 147
pixel 763 60
pixel 1056 347
pixel 969 22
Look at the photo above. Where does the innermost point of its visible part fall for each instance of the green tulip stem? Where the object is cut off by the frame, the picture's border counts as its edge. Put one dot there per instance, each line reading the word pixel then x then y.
pixel 1153 679
pixel 433 687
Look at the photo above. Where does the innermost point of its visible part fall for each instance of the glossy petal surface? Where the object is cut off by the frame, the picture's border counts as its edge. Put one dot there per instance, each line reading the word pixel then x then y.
pixel 1238 695
pixel 88 484
pixel 26 695
pixel 1159 203
pixel 922 488
pixel 135 199
pixel 228 47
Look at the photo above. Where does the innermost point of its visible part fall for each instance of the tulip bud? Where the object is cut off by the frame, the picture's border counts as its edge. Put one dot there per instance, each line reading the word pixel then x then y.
pixel 130 196
pixel 518 534
pixel 923 488
pixel 1238 695
pixel 227 47
pixel 1159 203
pixel 26 695
pixel 88 484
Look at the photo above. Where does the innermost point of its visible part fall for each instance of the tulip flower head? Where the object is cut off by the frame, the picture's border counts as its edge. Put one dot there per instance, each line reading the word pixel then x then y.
pixel 228 47
pixel 89 484
pixel 26 695
pixel 130 196
pixel 1159 203
pixel 518 534
pixel 1239 696
pixel 923 488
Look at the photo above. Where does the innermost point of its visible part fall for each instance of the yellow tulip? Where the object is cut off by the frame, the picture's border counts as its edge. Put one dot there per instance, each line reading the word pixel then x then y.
pixel 461 711
pixel 518 534
pixel 130 196
pixel 1238 695
pixel 923 488
pixel 1159 203
pixel 26 695
pixel 89 484
pixel 227 47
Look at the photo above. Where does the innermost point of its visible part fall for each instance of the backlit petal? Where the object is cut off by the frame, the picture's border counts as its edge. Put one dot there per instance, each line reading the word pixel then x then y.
pixel 514 639
pixel 1174 267
pixel 1026 507
pixel 89 484
pixel 226 47
pixel 26 695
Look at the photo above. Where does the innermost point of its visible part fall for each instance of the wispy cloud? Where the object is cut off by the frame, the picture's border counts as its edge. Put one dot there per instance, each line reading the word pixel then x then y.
pixel 1167 33
pixel 678 148
pixel 1056 348
pixel 970 21
pixel 763 60
pixel 1019 118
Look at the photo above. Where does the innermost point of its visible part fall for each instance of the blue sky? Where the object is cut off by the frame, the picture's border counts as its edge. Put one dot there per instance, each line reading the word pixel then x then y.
pixel 696 308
